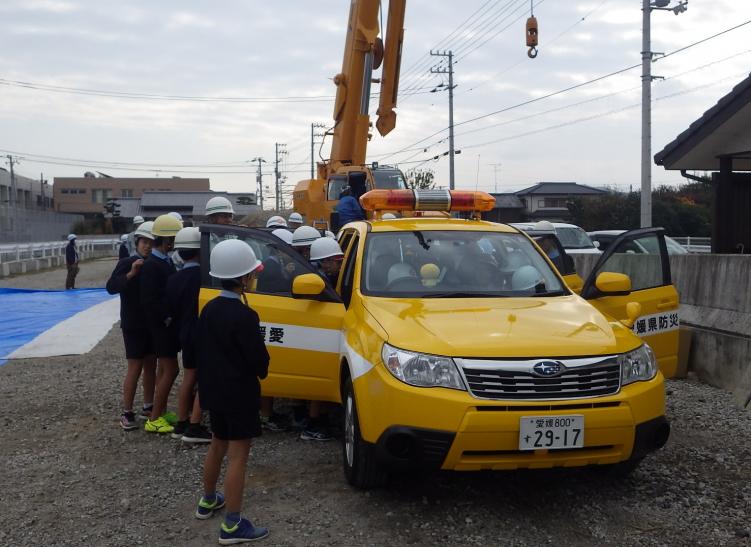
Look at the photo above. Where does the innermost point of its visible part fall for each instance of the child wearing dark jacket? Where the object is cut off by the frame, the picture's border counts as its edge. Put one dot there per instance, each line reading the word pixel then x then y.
pixel 232 359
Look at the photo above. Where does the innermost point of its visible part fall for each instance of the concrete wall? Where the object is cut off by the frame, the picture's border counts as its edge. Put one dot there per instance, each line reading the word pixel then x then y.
pixel 716 307
pixel 27 225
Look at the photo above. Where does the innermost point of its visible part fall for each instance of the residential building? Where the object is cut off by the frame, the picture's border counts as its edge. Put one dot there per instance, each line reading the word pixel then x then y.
pixel 87 195
pixel 30 193
pixel 549 200
pixel 190 205
pixel 507 208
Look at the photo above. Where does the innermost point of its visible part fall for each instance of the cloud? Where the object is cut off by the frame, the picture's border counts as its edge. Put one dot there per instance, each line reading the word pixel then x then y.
pixel 185 20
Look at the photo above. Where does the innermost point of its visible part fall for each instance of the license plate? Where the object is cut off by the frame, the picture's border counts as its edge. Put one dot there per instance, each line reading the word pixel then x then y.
pixel 551 432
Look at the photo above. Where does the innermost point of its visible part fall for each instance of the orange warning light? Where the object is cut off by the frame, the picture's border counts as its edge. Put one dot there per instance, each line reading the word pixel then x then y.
pixel 426 200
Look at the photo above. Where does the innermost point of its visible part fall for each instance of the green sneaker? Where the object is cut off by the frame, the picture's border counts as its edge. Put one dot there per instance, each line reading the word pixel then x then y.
pixel 159 425
pixel 170 417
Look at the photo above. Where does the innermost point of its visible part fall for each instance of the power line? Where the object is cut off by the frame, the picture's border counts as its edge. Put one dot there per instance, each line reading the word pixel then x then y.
pixel 561 91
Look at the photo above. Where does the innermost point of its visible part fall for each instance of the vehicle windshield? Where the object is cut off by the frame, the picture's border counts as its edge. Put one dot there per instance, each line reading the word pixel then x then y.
pixel 455 264
pixel 389 179
pixel 573 237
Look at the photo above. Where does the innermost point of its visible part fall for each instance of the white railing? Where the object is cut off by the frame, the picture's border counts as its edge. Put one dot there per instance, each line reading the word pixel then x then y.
pixel 18 252
pixel 695 244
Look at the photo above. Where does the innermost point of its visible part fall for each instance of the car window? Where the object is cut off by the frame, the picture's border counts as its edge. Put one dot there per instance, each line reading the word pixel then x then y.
pixel 644 266
pixel 573 237
pixel 551 245
pixel 348 278
pixel 426 264
pixel 335 186
pixel 280 265
pixel 389 179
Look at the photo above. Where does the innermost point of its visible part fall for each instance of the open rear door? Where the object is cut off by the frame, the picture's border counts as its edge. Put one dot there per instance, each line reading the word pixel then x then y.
pixel 651 286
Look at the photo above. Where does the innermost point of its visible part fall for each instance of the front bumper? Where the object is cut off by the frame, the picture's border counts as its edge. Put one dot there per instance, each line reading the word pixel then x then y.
pixel 449 429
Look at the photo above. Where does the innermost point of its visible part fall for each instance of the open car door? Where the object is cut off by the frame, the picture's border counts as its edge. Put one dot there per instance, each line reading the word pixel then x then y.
pixel 651 286
pixel 302 333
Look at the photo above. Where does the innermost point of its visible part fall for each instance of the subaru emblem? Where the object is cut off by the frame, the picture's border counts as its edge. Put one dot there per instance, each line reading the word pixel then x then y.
pixel 548 368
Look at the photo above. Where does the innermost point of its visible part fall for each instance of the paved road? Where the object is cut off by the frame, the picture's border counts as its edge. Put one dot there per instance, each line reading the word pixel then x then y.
pixel 93 274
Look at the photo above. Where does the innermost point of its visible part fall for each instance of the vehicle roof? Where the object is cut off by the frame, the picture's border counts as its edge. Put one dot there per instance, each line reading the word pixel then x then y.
pixel 607 232
pixel 427 224
pixel 524 225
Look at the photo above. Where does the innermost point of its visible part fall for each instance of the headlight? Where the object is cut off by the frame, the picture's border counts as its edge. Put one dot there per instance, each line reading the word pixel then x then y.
pixel 419 369
pixel 638 365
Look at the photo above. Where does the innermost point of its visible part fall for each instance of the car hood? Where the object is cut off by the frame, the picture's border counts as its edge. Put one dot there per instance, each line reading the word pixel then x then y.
pixel 564 326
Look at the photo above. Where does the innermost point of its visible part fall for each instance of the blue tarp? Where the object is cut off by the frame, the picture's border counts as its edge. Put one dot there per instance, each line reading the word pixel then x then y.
pixel 25 313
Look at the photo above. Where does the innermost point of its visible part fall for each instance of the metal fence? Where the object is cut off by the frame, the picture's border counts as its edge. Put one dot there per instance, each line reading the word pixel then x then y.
pixel 695 244
pixel 18 252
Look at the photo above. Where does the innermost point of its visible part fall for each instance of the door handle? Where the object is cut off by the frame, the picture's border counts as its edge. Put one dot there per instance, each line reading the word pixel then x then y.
pixel 667 305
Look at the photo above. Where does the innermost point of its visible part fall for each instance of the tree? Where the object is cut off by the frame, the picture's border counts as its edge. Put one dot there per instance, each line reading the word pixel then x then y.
pixel 420 179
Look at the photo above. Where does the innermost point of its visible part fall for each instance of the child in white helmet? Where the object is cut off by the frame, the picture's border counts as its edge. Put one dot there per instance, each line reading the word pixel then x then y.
pixel 232 358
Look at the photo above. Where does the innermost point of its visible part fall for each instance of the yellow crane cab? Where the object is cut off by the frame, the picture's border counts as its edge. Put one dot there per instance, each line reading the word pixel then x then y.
pixel 455 344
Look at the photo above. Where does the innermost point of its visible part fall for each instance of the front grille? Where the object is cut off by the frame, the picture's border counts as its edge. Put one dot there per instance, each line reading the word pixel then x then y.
pixel 596 380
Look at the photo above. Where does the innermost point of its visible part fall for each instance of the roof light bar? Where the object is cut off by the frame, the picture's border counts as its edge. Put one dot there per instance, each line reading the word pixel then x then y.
pixel 426 200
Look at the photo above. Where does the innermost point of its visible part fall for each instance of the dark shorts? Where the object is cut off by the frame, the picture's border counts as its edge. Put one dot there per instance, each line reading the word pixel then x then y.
pixel 138 343
pixel 164 340
pixel 228 426
pixel 189 359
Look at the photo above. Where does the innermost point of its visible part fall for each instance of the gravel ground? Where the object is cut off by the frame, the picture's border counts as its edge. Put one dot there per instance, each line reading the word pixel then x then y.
pixel 71 477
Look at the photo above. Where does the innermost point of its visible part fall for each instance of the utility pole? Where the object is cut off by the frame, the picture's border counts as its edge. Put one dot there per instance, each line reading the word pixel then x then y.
pixel 496 167
pixel 313 136
pixel 13 191
pixel 279 151
pixel 41 190
pixel 259 180
pixel 647 56
pixel 450 72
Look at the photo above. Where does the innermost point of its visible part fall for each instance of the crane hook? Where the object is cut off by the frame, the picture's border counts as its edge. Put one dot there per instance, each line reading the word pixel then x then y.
pixel 532 52
pixel 532 37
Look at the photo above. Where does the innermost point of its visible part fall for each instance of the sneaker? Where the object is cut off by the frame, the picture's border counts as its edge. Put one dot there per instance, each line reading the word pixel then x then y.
pixel 274 423
pixel 171 418
pixel 179 429
pixel 315 433
pixel 196 434
pixel 242 532
pixel 145 413
pixel 207 509
pixel 128 421
pixel 159 425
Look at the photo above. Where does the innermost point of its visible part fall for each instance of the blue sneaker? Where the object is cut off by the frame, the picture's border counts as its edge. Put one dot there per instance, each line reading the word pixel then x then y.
pixel 207 509
pixel 242 532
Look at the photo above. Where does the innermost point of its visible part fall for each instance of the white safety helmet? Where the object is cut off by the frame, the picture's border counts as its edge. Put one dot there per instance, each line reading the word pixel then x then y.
pixel 295 217
pixel 305 235
pixel 175 214
pixel 276 221
pixel 324 247
pixel 138 219
pixel 388 216
pixel 188 238
pixel 124 238
pixel 71 237
pixel 233 258
pixel 526 278
pixel 219 204
pixel 400 270
pixel 330 234
pixel 284 235
pixel 144 230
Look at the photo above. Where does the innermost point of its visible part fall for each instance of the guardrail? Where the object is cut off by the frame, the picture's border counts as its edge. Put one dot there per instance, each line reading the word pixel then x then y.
pixel 19 252
pixel 695 244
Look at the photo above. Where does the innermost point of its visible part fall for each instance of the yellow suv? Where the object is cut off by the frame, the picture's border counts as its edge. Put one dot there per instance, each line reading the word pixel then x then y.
pixel 456 344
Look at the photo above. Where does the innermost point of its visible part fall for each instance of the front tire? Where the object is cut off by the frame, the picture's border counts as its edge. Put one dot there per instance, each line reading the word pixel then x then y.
pixel 361 468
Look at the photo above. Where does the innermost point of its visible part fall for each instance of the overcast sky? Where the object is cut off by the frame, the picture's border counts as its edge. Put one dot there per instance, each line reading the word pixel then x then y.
pixel 292 48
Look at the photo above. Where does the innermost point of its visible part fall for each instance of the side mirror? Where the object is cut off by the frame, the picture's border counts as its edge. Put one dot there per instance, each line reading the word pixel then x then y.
pixel 633 312
pixel 613 284
pixel 596 243
pixel 308 285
